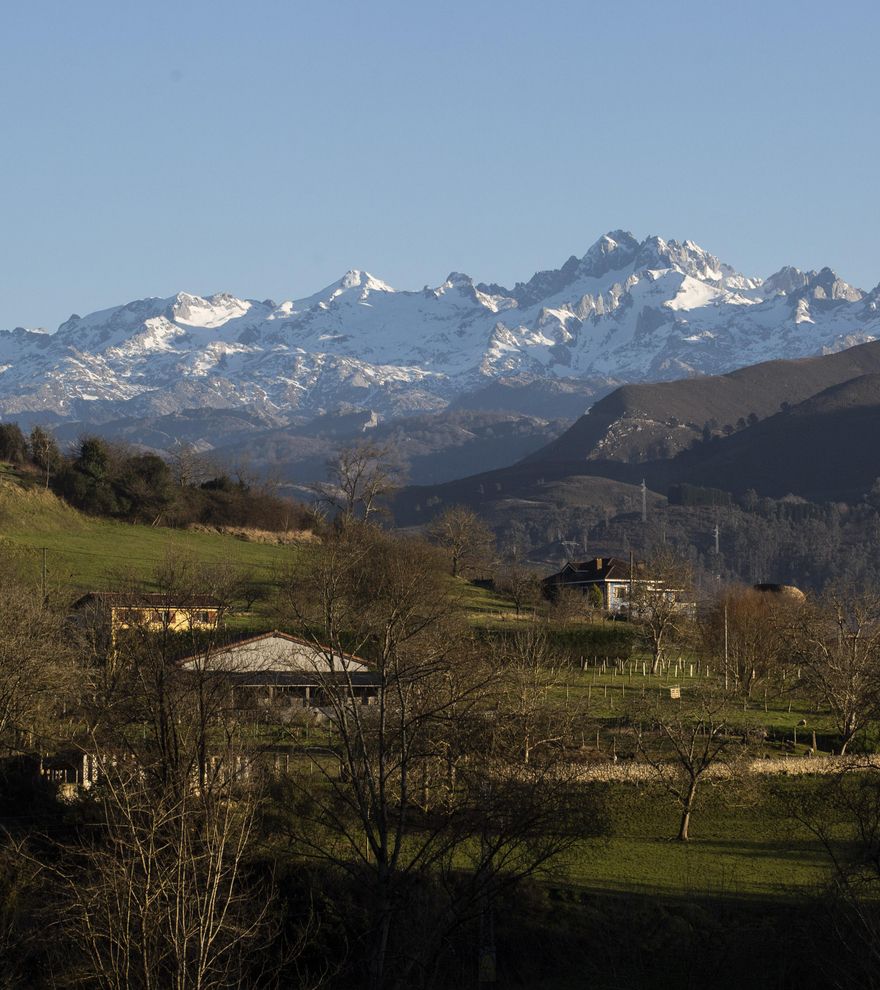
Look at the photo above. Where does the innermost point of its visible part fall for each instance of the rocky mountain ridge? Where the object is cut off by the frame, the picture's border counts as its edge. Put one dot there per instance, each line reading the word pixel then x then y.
pixel 627 311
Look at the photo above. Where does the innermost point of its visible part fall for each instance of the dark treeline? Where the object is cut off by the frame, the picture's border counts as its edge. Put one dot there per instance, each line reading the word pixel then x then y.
pixel 111 480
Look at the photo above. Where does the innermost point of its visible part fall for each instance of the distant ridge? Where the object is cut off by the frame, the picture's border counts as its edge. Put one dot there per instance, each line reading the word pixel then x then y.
pixel 633 420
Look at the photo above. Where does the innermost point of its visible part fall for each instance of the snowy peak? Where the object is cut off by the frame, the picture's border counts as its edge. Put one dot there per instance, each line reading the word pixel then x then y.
pixel 354 286
pixel 627 310
pixel 688 258
pixel 615 258
pixel 827 285
pixel 613 251
pixel 824 285
pixel 786 281
pixel 459 279
pixel 194 311
pixel 364 281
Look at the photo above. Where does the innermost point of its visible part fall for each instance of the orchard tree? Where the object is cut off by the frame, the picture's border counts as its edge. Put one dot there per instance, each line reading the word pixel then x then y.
pixel 534 713
pixel 836 641
pixel 660 599
pixel 682 740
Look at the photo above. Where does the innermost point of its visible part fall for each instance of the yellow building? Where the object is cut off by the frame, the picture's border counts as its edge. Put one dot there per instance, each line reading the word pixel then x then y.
pixel 111 613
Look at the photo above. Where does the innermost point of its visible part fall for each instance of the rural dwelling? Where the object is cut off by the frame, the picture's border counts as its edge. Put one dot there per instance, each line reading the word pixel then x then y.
pixel 610 576
pixel 113 612
pixel 275 669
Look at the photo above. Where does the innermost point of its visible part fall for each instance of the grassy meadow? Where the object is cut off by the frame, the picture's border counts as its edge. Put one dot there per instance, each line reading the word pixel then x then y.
pixel 87 553
pixel 744 844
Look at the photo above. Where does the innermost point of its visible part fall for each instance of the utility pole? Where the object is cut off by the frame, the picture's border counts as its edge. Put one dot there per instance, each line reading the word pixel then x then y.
pixel 644 501
pixel 631 569
pixel 717 539
pixel 725 646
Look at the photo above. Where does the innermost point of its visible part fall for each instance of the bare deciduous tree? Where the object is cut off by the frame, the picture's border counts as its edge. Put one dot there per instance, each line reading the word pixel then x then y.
pixel 189 466
pixel 660 599
pixel 744 629
pixel 161 896
pixel 682 740
pixel 843 813
pixel 466 539
pixel 572 604
pixel 837 642
pixel 44 451
pixel 418 783
pixel 359 478
pixel 520 584
pixel 36 667
pixel 533 712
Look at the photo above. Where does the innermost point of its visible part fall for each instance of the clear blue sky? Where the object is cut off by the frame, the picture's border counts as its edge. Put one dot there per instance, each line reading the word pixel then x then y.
pixel 266 147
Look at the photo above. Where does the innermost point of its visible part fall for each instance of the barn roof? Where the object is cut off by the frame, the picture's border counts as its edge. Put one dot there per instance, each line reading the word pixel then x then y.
pixel 140 599
pixel 275 653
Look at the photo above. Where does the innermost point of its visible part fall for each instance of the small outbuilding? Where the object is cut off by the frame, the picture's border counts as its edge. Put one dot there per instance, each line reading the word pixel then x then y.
pixel 787 591
pixel 279 670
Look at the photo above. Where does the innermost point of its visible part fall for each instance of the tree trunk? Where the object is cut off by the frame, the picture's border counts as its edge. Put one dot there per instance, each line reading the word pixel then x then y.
pixel 847 735
pixel 687 807
pixel 380 946
pixel 655 660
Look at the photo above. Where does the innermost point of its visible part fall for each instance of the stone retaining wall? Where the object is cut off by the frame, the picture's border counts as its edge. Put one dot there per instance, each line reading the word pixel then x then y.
pixel 637 772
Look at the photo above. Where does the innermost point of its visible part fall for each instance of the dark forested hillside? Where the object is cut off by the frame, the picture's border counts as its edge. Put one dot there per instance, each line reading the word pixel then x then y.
pixel 807 428
pixel 826 448
pixel 648 422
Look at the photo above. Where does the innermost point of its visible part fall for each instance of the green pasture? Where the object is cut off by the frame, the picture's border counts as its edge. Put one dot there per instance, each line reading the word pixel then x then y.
pixel 609 697
pixel 485 607
pixel 744 843
pixel 88 553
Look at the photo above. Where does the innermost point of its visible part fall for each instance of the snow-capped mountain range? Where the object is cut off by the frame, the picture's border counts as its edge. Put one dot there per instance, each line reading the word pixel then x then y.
pixel 626 311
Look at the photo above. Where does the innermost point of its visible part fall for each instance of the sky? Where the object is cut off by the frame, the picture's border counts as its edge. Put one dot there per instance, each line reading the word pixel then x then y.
pixel 265 148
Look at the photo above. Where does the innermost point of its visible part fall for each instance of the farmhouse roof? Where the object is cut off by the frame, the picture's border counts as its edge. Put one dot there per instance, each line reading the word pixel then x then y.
pixel 596 569
pixel 137 599
pixel 276 653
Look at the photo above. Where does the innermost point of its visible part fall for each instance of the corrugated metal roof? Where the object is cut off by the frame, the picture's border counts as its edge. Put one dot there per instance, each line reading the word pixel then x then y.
pixel 275 653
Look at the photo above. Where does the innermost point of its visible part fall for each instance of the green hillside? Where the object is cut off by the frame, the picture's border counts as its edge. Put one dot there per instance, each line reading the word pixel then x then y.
pixel 89 553
pixel 85 552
